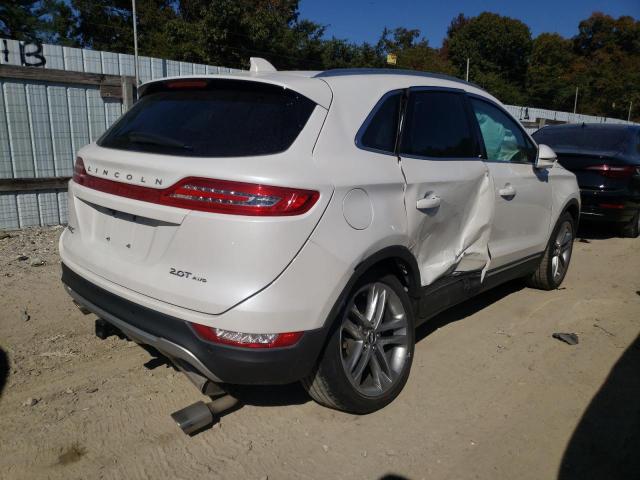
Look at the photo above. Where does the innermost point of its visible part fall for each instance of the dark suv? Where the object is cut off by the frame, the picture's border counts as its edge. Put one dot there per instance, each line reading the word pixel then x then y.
pixel 606 161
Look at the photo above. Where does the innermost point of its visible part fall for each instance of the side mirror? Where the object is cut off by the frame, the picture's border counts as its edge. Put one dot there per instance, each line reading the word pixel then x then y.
pixel 546 157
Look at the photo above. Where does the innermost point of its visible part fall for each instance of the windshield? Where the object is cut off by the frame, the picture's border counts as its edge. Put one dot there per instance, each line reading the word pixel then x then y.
pixel 583 138
pixel 226 119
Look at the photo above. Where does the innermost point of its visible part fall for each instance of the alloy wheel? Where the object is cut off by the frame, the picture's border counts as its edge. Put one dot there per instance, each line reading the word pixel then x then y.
pixel 374 339
pixel 562 248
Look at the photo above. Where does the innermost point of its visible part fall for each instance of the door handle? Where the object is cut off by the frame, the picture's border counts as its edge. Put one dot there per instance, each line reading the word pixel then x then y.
pixel 432 201
pixel 507 191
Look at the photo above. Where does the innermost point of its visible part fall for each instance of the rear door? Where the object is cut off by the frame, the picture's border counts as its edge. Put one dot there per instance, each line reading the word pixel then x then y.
pixel 448 195
pixel 522 193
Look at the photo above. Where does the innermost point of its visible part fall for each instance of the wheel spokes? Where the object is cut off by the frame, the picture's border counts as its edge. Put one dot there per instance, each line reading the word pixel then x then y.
pixel 382 359
pixel 361 365
pixel 352 330
pixel 354 356
pixel 394 324
pixel 380 379
pixel 392 340
pixel 374 338
pixel 359 317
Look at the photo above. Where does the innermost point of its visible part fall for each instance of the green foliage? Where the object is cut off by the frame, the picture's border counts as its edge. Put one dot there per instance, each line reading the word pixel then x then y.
pixel 413 52
pixel 31 20
pixel 602 59
pixel 607 65
pixel 498 48
pixel 548 81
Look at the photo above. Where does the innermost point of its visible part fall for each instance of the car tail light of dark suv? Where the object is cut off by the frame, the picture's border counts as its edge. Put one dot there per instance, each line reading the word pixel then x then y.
pixel 612 171
pixel 209 195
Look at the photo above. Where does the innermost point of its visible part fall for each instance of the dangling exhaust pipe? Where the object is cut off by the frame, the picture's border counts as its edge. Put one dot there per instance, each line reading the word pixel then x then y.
pixel 193 418
pixel 200 415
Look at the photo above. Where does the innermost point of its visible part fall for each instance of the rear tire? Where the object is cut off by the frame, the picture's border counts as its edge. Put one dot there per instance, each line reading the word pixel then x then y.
pixel 557 256
pixel 368 356
pixel 632 228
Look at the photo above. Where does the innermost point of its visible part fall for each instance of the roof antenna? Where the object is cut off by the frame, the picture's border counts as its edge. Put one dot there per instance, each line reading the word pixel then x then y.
pixel 260 65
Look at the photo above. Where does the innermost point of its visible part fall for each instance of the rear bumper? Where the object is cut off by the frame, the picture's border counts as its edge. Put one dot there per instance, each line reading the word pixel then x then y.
pixel 608 206
pixel 175 338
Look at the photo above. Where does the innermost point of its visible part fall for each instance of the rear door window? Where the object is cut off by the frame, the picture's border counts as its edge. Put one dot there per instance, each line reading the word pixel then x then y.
pixel 437 126
pixel 227 118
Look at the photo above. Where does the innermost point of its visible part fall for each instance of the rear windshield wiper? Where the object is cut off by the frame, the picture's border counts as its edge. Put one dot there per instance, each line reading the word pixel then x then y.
pixel 153 139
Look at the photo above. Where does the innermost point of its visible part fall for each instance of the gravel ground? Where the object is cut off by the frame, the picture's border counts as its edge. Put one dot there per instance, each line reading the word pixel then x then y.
pixel 491 394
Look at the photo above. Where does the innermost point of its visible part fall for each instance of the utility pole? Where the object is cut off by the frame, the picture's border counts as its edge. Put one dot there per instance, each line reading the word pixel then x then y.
pixel 467 69
pixel 135 43
pixel 629 116
pixel 575 102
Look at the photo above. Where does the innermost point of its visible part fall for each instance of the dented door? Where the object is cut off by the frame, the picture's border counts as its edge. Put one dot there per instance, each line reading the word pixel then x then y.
pixel 449 193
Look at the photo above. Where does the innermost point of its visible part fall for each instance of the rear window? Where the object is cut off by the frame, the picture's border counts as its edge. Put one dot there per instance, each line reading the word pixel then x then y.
pixel 225 119
pixel 583 138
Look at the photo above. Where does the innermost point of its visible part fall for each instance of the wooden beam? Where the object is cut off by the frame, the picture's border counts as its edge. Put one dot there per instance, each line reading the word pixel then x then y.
pixel 59 76
pixel 33 184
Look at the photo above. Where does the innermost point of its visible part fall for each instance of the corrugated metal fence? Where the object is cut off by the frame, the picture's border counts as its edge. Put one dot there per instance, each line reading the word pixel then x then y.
pixel 44 122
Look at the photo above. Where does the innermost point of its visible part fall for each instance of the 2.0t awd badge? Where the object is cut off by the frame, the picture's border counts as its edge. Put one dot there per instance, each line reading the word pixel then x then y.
pixel 186 275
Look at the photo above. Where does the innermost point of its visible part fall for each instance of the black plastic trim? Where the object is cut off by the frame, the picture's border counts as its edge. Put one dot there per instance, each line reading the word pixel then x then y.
pixel 460 286
pixel 229 364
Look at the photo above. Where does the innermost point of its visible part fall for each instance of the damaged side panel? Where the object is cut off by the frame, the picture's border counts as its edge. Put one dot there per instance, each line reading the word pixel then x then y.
pixel 450 210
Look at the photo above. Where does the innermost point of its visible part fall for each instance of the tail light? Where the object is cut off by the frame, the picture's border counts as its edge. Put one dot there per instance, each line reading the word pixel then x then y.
pixel 208 195
pixel 612 171
pixel 186 84
pixel 615 206
pixel 246 340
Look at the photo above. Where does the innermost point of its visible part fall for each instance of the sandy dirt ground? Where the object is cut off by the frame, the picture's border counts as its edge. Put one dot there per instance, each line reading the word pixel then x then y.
pixel 491 394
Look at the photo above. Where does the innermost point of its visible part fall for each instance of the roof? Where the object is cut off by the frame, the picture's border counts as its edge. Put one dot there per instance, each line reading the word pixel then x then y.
pixel 314 84
pixel 339 72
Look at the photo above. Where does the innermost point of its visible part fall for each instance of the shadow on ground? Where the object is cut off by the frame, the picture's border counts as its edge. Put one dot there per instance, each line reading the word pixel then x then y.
pixel 468 308
pixel 606 442
pixel 4 369
pixel 597 231
pixel 257 395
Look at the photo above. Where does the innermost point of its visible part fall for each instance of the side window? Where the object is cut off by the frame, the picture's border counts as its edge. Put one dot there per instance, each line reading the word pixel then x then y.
pixel 437 125
pixel 503 138
pixel 380 133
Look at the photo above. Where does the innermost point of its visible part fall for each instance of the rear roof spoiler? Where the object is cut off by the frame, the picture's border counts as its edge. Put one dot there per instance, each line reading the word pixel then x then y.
pixel 263 72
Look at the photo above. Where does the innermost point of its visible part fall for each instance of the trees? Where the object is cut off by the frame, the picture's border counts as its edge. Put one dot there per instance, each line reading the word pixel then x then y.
pixel 548 81
pixel 498 48
pixel 33 20
pixel 607 65
pixel 602 59
pixel 412 51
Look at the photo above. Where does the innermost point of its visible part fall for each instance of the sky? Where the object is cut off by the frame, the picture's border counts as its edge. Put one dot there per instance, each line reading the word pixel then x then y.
pixel 363 20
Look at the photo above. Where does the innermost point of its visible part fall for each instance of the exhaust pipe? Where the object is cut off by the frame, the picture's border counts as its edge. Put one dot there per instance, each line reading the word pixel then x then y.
pixel 193 418
pixel 200 415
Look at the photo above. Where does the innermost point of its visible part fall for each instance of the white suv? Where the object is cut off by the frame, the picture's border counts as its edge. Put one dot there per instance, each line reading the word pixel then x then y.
pixel 269 227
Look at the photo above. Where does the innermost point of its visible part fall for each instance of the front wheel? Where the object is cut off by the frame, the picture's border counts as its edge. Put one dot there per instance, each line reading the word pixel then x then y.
pixel 557 256
pixel 368 357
